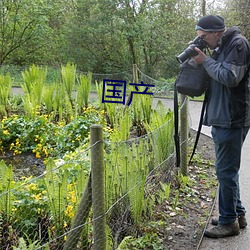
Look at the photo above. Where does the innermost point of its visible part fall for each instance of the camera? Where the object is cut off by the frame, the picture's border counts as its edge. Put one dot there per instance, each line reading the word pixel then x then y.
pixel 190 51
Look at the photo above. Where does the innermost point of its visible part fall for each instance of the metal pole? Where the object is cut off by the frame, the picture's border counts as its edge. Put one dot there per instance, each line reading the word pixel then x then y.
pixel 184 135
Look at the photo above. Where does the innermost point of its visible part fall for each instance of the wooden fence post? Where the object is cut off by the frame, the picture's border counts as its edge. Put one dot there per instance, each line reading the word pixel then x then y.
pixel 135 80
pixel 135 74
pixel 80 218
pixel 98 194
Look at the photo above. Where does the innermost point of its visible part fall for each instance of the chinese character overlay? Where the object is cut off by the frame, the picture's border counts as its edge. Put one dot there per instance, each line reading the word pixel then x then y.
pixel 114 91
pixel 138 91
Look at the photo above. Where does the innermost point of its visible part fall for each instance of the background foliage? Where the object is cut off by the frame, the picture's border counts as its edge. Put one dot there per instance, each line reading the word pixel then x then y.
pixel 106 36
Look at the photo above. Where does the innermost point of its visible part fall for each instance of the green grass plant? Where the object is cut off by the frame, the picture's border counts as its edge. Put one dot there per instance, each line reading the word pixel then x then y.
pixel 6 197
pixel 149 240
pixel 161 126
pixel 5 91
pixel 34 80
pixel 29 245
pixel 164 191
pixel 48 98
pixel 68 75
pixel 99 88
pixel 141 106
pixel 56 185
pixel 83 90
pixel 126 172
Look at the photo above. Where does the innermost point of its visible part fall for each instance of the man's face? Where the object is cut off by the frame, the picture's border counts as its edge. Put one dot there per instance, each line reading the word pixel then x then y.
pixel 211 38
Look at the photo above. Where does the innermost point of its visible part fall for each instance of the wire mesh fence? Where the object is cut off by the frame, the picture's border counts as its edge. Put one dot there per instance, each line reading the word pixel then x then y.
pixel 55 210
pixel 42 210
pixel 163 87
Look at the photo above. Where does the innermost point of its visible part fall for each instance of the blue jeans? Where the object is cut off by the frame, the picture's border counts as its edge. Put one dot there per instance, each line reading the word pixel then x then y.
pixel 228 145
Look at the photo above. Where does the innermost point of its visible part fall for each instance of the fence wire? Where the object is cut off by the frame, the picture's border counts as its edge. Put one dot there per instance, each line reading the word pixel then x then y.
pixel 42 208
pixel 41 211
pixel 162 87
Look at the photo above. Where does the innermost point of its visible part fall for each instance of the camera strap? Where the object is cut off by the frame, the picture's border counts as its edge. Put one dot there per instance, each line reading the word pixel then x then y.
pixel 199 127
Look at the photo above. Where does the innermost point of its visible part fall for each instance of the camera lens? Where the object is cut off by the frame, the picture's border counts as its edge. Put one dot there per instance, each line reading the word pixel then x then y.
pixel 187 53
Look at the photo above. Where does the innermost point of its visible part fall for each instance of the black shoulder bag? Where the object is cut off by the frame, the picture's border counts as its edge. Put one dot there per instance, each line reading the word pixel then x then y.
pixel 191 81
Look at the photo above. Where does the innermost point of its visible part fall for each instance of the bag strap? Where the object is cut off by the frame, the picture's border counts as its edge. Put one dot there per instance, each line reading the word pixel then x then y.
pixel 176 126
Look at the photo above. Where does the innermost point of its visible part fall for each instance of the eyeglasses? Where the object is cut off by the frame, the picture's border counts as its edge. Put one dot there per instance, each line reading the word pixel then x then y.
pixel 203 36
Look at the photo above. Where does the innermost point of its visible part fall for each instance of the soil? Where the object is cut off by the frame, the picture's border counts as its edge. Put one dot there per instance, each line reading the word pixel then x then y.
pixel 25 164
pixel 186 223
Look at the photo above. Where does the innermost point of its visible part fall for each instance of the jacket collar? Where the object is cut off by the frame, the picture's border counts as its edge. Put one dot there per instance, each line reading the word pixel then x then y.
pixel 231 32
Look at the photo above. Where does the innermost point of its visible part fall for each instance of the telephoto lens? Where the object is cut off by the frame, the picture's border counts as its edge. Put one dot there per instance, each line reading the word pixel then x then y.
pixel 190 50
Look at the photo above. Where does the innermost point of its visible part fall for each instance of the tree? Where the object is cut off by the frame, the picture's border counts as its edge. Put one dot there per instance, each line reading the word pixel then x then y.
pixel 94 39
pixel 21 21
pixel 102 36
pixel 108 36
pixel 237 12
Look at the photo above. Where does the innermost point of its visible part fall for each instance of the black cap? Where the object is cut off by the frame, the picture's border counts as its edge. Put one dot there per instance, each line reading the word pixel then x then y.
pixel 210 23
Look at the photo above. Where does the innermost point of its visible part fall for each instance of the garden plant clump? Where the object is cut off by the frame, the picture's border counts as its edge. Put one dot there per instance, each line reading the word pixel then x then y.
pixel 149 204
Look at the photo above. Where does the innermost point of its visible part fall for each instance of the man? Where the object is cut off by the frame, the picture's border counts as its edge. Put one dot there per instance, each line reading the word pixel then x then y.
pixel 228 112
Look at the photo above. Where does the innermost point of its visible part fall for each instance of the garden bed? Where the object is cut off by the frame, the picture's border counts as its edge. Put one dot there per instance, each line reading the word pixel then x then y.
pixel 179 221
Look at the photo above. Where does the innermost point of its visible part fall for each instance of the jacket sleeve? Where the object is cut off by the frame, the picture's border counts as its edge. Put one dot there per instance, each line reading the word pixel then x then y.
pixel 230 70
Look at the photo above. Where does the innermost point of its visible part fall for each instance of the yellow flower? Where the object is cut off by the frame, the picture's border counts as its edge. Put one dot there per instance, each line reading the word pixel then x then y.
pixel 14 209
pixel 26 178
pixel 6 132
pixel 45 151
pixel 16 152
pixel 69 211
pixel 102 112
pixel 31 187
pixel 73 199
pixel 38 155
pixel 37 196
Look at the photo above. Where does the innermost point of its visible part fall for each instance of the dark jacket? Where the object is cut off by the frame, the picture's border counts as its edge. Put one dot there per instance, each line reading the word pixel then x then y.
pixel 228 103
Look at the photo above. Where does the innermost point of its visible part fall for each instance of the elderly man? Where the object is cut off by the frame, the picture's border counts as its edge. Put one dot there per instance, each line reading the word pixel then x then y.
pixel 228 112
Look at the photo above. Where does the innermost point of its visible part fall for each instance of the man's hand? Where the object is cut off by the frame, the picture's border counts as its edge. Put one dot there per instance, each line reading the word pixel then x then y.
pixel 200 58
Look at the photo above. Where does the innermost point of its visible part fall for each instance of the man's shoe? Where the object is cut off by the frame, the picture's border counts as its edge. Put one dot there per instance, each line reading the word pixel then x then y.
pixel 241 219
pixel 221 231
